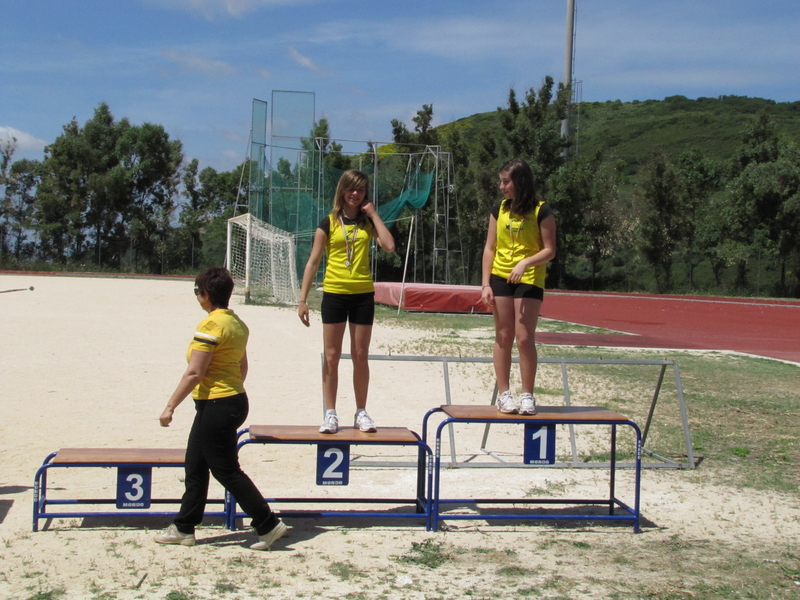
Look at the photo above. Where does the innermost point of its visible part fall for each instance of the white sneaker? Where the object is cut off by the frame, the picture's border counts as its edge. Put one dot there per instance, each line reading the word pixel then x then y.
pixel 364 422
pixel 527 404
pixel 266 540
pixel 506 404
pixel 171 535
pixel 330 424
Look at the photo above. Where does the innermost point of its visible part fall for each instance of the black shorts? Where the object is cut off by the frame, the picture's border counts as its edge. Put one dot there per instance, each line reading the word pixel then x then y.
pixel 359 309
pixel 501 287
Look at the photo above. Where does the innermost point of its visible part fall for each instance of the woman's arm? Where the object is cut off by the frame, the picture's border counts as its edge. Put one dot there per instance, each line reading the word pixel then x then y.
pixel 243 366
pixel 489 249
pixel 195 371
pixel 548 230
pixel 320 239
pixel 380 231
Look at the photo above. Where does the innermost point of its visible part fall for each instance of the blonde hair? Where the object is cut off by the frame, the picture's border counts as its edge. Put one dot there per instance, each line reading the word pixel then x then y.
pixel 349 180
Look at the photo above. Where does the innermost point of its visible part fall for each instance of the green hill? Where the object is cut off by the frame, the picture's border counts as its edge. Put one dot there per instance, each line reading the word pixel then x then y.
pixel 630 130
pixel 706 239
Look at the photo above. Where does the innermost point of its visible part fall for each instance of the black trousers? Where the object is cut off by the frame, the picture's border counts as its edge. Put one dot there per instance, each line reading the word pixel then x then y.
pixel 212 450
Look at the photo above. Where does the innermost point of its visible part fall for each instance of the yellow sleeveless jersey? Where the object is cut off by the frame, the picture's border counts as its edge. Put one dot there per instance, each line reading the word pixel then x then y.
pixel 225 335
pixel 347 270
pixel 517 238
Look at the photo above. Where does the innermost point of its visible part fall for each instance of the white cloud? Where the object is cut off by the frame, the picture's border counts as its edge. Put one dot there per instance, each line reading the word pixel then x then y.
pixel 462 39
pixel 25 141
pixel 305 61
pixel 192 62
pixel 211 9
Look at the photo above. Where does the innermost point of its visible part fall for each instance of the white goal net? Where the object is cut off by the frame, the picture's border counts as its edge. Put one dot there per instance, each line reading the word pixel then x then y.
pixel 261 259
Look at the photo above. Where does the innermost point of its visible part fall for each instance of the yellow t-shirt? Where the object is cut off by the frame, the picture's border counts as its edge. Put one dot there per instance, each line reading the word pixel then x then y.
pixel 224 334
pixel 517 238
pixel 341 278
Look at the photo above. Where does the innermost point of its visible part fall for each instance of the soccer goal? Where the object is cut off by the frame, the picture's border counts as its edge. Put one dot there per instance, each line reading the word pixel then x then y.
pixel 261 259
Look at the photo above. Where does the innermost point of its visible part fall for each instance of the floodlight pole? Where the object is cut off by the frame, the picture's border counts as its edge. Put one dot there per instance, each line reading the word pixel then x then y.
pixel 569 61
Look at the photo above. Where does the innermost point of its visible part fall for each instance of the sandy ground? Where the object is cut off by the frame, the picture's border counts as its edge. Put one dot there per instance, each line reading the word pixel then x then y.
pixel 90 362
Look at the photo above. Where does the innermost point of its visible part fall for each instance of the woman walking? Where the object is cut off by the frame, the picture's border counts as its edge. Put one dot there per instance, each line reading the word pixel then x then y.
pixel 215 377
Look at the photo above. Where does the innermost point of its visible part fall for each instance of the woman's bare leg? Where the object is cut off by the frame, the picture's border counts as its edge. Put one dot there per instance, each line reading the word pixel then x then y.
pixel 526 317
pixel 332 336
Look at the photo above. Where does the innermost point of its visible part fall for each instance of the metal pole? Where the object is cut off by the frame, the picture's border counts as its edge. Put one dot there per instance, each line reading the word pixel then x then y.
pixel 405 266
pixel 228 246
pixel 247 255
pixel 569 57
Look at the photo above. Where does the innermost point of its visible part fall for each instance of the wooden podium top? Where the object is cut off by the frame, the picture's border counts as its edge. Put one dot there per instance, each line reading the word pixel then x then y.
pixel 543 413
pixel 311 434
pixel 77 456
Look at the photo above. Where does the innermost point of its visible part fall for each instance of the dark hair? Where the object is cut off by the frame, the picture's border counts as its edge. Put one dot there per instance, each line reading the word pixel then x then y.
pixel 522 177
pixel 217 283
pixel 349 180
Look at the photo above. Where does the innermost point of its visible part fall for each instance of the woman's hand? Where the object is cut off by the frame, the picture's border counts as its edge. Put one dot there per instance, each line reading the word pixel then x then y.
pixel 302 312
pixel 369 209
pixel 487 295
pixel 166 416
pixel 195 371
pixel 517 272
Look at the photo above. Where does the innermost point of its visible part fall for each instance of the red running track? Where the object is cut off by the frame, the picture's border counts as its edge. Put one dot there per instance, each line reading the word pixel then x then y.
pixel 769 328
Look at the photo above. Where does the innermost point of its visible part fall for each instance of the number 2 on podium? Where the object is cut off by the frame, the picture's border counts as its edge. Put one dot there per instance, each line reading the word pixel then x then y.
pixel 333 464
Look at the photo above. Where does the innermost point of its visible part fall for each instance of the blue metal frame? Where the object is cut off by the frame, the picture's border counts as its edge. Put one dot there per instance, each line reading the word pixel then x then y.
pixel 632 514
pixel 41 501
pixel 422 501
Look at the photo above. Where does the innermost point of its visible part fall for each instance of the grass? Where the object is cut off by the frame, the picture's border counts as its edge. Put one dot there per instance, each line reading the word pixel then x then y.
pixel 743 411
pixel 429 553
pixel 345 571
pixel 48 595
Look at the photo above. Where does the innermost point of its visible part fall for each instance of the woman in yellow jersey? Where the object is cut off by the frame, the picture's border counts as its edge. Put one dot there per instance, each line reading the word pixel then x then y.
pixel 520 242
pixel 215 377
pixel 348 293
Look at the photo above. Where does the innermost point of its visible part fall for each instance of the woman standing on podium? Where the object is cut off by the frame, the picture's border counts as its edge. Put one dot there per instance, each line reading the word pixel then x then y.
pixel 348 293
pixel 520 242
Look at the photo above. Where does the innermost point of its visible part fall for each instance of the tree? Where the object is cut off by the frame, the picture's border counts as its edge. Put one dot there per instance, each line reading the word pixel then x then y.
pixel 657 210
pixel 62 195
pixel 331 150
pixel 7 149
pixel 761 215
pixel 152 165
pixel 17 207
pixel 192 215
pixel 210 201
pixel 476 186
pixel 532 130
pixel 584 196
pixel 424 134
pixel 111 184
pixel 698 178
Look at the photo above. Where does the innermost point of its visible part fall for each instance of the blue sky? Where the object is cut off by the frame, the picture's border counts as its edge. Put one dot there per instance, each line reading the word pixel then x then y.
pixel 194 66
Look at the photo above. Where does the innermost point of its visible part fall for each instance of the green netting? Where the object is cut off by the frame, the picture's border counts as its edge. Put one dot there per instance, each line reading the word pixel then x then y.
pixel 301 192
pixel 414 196
pixel 298 205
